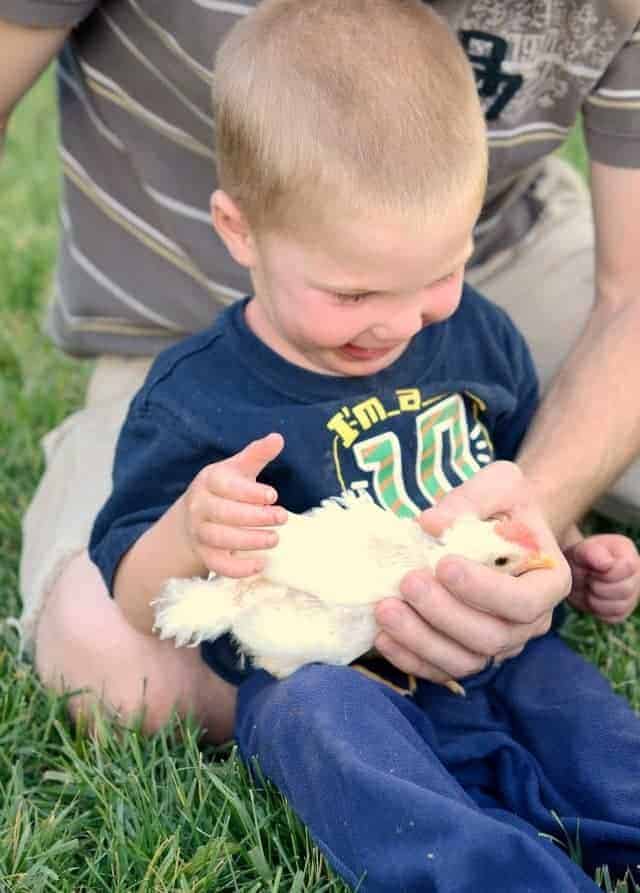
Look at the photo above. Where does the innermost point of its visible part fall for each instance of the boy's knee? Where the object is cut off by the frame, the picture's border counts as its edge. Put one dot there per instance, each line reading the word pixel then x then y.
pixel 306 706
pixel 314 687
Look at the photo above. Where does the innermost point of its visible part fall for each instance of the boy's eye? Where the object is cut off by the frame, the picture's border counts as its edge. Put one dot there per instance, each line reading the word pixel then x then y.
pixel 352 298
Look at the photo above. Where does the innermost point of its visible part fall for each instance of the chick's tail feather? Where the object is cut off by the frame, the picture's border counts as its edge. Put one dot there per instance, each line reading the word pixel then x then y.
pixel 195 610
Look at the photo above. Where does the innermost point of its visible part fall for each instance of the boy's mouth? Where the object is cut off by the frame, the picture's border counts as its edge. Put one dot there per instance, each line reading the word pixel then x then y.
pixel 354 352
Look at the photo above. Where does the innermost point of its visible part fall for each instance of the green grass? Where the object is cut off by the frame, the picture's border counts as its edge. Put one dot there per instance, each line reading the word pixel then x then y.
pixel 119 812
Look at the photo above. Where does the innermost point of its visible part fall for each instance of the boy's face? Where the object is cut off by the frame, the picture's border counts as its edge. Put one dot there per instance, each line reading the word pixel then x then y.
pixel 349 302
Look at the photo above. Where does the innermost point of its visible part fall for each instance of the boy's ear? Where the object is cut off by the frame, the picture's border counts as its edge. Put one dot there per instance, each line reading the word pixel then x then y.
pixel 233 228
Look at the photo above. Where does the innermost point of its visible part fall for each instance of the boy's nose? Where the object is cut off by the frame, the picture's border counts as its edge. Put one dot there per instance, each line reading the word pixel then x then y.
pixel 400 325
pixel 408 315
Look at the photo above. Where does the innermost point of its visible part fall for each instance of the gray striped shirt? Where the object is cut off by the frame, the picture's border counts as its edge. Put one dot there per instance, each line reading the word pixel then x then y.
pixel 139 264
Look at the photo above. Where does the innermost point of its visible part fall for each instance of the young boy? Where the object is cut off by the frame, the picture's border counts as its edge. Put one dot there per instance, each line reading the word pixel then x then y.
pixel 351 173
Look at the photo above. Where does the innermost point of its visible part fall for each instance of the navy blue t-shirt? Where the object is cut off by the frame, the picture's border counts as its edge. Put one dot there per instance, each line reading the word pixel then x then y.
pixel 462 394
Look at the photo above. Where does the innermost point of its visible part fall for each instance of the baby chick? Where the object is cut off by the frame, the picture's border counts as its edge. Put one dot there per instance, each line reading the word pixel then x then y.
pixel 315 598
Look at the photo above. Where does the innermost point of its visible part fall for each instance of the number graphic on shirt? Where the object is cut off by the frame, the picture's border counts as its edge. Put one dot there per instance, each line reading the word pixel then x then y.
pixel 486 52
pixel 443 458
pixel 382 456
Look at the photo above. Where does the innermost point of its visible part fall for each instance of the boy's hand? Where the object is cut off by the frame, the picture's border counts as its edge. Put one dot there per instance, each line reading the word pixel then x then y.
pixel 453 622
pixel 606 576
pixel 224 505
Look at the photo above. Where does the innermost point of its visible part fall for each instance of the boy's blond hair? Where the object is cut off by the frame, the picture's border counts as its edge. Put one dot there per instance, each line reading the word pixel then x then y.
pixel 346 106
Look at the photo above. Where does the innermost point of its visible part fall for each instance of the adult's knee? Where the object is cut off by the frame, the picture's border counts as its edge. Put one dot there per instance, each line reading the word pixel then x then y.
pixel 84 644
pixel 72 621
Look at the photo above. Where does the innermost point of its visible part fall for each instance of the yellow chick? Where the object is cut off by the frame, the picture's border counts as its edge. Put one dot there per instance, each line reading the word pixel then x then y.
pixel 315 598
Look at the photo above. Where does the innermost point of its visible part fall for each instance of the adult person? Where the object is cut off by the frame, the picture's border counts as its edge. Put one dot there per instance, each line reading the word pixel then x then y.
pixel 138 269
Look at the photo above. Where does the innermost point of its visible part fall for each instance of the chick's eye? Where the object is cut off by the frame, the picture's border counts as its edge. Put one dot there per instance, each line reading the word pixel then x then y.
pixel 501 561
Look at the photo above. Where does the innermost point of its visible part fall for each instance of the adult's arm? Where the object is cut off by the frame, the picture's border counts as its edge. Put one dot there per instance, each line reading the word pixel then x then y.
pixel 24 54
pixel 587 430
pixel 584 435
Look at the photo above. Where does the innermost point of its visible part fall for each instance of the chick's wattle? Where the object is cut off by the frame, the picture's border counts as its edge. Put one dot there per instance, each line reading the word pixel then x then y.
pixel 315 598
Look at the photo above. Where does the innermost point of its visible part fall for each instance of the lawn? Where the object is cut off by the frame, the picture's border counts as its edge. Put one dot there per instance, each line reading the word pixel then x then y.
pixel 119 812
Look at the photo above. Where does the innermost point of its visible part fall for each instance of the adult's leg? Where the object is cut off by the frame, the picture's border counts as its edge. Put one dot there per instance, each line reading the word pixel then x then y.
pixel 80 638
pixel 359 765
pixel 75 484
pixel 546 284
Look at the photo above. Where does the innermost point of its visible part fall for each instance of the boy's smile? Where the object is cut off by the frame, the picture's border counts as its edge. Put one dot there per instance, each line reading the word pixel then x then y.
pixel 349 301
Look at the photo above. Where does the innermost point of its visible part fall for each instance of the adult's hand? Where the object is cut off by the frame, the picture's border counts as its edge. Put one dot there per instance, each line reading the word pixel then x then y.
pixel 452 622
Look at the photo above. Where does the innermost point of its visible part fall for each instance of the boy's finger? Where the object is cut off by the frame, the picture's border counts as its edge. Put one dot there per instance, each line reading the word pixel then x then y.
pixel 609 591
pixel 610 612
pixel 228 565
pixel 617 573
pixel 235 539
pixel 237 513
pixel 226 482
pixel 256 455
pixel 592 556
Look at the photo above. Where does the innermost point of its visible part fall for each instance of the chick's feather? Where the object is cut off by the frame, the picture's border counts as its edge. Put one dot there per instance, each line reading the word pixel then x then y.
pixel 315 598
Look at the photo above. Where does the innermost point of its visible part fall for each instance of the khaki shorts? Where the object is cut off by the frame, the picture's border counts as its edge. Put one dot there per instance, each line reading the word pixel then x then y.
pixel 547 277
pixel 75 484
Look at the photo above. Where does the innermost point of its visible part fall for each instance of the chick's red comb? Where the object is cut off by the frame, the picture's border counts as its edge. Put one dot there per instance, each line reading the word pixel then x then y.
pixel 517 532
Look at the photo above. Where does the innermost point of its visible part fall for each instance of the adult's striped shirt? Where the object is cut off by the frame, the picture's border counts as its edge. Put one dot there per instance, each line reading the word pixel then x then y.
pixel 139 264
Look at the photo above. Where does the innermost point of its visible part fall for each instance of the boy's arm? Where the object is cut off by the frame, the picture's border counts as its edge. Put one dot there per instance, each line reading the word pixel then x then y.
pixel 218 510
pixel 160 553
pixel 24 54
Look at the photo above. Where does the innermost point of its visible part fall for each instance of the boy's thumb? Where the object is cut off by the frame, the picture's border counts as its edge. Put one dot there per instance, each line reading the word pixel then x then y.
pixel 252 459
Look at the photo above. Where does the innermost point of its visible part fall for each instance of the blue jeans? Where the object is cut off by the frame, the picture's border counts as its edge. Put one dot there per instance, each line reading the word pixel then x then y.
pixel 442 793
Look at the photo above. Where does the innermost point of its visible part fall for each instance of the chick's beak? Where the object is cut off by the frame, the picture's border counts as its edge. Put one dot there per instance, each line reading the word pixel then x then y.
pixel 536 561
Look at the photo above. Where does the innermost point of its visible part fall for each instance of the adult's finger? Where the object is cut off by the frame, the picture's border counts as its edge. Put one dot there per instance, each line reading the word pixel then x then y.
pixel 477 631
pixel 407 633
pixel 520 599
pixel 499 488
pixel 501 656
pixel 412 664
